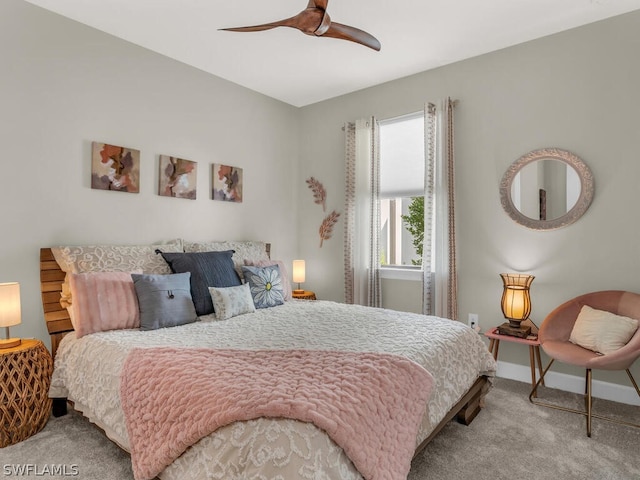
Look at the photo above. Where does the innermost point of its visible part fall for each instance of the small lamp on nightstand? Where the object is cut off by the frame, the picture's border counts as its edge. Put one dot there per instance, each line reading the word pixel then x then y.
pixel 298 274
pixel 9 311
pixel 516 304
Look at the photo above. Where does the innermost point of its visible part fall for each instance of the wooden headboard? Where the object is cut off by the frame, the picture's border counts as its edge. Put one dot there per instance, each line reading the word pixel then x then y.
pixel 55 315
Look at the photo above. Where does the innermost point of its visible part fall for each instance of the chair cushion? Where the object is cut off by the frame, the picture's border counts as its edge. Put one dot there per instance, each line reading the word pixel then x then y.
pixel 602 331
pixel 570 353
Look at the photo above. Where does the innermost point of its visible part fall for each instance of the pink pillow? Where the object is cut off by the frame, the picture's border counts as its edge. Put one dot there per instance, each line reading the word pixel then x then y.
pixel 286 284
pixel 102 301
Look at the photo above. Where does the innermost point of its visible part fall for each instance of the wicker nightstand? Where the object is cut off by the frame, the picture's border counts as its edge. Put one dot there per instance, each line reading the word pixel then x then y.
pixel 25 376
pixel 305 295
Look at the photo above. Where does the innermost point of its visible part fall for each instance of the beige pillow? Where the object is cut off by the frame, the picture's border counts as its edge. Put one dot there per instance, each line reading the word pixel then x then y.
pixel 601 331
pixel 115 258
pixel 229 302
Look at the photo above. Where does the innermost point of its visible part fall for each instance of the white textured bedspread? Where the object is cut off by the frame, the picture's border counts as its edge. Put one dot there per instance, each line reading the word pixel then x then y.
pixel 87 371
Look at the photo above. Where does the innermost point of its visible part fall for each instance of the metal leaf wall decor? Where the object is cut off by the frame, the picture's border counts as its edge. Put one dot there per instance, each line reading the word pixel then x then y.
pixel 319 193
pixel 320 198
pixel 326 228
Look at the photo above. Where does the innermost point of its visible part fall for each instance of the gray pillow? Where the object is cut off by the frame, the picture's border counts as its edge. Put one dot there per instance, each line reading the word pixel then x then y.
pixel 164 300
pixel 208 269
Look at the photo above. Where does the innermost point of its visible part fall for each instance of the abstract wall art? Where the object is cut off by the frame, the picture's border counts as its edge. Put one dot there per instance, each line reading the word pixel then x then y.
pixel 115 168
pixel 177 177
pixel 227 183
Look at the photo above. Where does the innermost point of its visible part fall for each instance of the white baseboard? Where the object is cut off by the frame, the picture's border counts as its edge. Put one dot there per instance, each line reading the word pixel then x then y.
pixel 571 383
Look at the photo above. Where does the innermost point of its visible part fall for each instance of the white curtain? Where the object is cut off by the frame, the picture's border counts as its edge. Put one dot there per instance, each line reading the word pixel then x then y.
pixel 362 214
pixel 440 296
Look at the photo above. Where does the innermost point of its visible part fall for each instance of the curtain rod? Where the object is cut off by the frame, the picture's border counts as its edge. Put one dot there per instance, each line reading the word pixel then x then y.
pixel 454 102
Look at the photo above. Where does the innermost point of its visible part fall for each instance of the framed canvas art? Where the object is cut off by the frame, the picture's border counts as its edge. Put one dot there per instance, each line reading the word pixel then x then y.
pixel 227 183
pixel 115 168
pixel 177 177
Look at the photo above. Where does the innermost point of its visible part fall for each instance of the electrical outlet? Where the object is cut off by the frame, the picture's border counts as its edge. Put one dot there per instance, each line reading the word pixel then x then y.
pixel 473 321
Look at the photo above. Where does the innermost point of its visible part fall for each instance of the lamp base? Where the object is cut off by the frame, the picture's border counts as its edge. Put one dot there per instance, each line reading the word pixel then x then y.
pixel 298 291
pixel 522 331
pixel 10 343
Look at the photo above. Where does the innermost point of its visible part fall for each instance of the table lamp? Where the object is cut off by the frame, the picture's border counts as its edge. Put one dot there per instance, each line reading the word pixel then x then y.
pixel 516 304
pixel 298 274
pixel 9 312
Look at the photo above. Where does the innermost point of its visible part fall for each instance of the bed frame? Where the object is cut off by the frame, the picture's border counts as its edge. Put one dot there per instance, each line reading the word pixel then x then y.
pixel 56 316
pixel 59 324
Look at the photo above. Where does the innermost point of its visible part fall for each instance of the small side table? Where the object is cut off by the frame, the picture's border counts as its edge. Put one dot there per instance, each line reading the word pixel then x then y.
pixel 25 376
pixel 306 295
pixel 534 350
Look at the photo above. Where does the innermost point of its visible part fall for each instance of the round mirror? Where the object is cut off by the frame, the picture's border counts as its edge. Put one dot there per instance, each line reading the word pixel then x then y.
pixel 547 188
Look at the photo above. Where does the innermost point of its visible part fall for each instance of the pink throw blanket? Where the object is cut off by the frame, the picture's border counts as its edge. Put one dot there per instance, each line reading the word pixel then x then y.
pixel 370 404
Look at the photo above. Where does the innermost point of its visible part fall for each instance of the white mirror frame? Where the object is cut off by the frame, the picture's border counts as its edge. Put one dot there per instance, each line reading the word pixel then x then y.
pixel 587 188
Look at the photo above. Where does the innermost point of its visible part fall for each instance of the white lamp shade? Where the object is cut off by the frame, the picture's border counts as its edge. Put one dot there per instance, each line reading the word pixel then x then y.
pixel 10 304
pixel 298 271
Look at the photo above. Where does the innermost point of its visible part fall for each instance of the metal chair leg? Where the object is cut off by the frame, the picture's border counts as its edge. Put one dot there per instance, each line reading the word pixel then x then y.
pixel 534 391
pixel 633 382
pixel 588 401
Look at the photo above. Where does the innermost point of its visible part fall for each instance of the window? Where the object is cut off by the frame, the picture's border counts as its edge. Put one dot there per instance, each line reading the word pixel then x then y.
pixel 402 191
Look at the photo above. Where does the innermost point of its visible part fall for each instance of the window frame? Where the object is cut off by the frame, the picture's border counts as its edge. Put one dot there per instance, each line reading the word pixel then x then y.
pixel 400 271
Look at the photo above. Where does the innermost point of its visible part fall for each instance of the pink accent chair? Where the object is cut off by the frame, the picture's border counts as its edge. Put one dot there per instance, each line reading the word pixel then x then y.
pixel 554 339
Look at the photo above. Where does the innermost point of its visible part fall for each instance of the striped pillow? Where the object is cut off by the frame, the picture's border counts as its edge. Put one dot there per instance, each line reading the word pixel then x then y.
pixel 103 301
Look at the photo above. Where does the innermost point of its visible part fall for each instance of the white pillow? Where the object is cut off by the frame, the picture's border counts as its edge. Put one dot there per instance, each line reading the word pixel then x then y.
pixel 602 331
pixel 231 301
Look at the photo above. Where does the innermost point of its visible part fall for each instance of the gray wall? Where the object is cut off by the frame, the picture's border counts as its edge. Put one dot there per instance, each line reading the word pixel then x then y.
pixel 64 85
pixel 576 90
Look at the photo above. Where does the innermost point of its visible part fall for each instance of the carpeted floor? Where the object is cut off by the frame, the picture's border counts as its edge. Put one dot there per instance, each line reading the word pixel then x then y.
pixel 514 439
pixel 510 439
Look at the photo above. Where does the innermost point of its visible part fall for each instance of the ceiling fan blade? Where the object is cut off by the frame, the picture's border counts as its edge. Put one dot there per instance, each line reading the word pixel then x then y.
pixel 255 28
pixel 314 20
pixel 318 4
pixel 345 32
pixel 287 22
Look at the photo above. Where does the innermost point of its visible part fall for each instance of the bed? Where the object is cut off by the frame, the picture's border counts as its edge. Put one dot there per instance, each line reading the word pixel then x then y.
pixel 88 371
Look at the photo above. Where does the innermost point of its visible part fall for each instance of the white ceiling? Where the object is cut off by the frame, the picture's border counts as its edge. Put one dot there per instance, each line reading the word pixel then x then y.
pixel 283 63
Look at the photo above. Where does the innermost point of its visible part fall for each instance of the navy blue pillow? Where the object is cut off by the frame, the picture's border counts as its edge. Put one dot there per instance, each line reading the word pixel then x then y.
pixel 208 269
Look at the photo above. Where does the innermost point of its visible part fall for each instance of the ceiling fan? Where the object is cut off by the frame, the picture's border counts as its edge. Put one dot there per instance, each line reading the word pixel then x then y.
pixel 314 20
